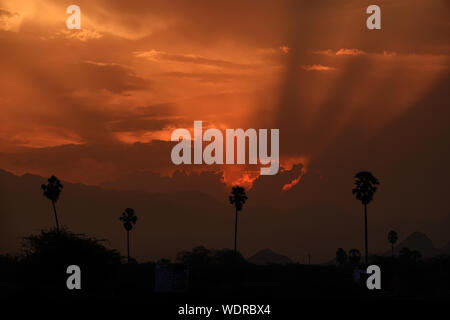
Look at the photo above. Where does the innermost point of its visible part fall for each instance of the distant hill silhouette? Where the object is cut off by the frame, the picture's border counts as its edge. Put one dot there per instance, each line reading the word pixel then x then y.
pixel 417 241
pixel 445 249
pixel 267 256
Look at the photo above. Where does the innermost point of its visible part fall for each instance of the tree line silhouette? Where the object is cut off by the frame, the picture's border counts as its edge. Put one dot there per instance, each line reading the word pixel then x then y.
pixel 53 189
pixel 47 255
pixel 365 186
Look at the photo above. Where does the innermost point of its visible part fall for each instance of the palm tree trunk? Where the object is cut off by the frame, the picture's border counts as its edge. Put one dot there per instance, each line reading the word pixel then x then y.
pixel 235 232
pixel 366 237
pixel 392 250
pixel 56 216
pixel 128 245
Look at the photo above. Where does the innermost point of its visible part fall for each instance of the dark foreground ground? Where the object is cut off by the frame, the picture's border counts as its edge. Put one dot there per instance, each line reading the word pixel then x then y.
pixel 203 278
pixel 287 292
pixel 427 279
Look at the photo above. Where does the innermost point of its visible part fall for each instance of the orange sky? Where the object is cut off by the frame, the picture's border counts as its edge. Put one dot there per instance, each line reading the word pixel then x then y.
pixel 139 69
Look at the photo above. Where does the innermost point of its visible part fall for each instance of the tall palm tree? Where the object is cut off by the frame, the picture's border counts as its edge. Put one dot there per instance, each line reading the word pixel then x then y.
pixel 365 187
pixel 237 198
pixel 129 219
pixel 392 238
pixel 51 191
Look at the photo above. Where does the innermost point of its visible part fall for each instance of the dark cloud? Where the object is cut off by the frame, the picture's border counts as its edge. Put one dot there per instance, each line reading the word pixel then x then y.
pixel 133 123
pixel 212 77
pixel 96 76
pixel 165 56
pixel 5 14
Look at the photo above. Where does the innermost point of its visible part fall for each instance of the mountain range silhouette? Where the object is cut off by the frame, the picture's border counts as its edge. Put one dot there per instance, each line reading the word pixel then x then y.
pixel 421 242
pixel 180 220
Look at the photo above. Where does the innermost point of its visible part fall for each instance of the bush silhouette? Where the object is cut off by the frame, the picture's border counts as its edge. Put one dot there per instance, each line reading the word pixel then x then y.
pixel 341 256
pixel 408 255
pixel 354 257
pixel 48 254
pixel 63 246
pixel 198 256
pixel 201 256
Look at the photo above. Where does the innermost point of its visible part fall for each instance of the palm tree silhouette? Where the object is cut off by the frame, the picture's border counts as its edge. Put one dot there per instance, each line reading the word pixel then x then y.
pixel 51 191
pixel 128 218
pixel 392 238
pixel 237 198
pixel 365 187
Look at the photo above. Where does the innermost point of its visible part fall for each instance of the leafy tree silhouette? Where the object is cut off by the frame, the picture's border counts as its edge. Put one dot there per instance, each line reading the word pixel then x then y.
pixel 47 255
pixel 416 255
pixel 237 198
pixel 227 257
pixel 129 219
pixel 354 256
pixel 408 255
pixel 365 187
pixel 201 256
pixel 341 256
pixel 198 256
pixel 392 238
pixel 51 191
pixel 62 246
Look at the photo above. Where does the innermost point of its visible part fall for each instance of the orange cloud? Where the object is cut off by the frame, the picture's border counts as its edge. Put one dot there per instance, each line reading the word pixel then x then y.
pixel 82 35
pixel 350 52
pixel 341 52
pixel 318 67
pixel 285 49
pixel 288 164
pixel 289 185
pixel 244 179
